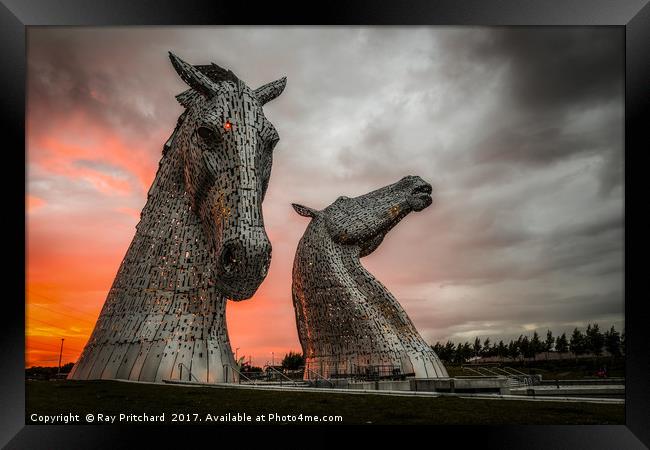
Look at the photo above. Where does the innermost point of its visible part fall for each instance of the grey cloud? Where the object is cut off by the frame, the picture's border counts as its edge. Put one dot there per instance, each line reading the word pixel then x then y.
pixel 573 73
pixel 558 313
pixel 105 168
pixel 549 68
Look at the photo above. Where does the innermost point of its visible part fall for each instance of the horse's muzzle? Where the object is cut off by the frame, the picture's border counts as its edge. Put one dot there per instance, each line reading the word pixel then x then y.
pixel 243 265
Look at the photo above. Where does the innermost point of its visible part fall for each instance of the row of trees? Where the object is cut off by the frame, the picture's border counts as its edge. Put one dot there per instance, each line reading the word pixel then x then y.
pixel 291 361
pixel 593 341
pixel 45 373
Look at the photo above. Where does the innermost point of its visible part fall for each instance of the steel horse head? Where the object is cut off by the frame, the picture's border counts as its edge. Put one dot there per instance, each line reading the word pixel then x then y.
pixel 227 144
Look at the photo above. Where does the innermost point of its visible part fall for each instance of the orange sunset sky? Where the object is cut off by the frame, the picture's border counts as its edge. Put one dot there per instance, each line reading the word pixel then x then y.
pixel 518 130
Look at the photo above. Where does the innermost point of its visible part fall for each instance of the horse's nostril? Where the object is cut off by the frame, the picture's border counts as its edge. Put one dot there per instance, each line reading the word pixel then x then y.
pixel 229 257
pixel 236 259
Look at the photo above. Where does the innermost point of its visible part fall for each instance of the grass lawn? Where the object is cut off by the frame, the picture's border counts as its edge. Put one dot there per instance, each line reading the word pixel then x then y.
pixel 113 397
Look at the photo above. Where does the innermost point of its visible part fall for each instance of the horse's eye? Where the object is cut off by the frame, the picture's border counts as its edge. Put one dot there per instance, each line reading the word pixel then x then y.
pixel 206 133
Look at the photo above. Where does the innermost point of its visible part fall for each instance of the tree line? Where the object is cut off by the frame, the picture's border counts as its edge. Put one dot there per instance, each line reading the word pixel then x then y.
pixel 593 341
pixel 291 361
pixel 45 373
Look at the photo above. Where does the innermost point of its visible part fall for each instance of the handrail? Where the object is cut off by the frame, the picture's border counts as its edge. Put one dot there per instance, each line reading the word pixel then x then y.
pixel 519 379
pixel 518 372
pixel 527 378
pixel 471 370
pixel 479 369
pixel 504 371
pixel 319 375
pixel 180 376
pixel 240 374
pixel 491 372
pixel 512 372
pixel 277 371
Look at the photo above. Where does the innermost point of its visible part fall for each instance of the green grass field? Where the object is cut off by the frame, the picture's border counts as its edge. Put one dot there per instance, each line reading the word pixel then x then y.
pixel 113 397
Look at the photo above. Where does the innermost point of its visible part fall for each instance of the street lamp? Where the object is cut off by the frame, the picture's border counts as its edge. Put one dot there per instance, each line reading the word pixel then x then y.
pixel 60 355
pixel 236 350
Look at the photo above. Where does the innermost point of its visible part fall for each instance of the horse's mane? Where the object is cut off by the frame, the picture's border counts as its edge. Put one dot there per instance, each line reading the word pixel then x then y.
pixel 213 72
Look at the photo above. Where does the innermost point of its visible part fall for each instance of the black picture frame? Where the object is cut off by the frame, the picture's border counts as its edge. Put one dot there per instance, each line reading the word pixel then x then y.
pixel 16 15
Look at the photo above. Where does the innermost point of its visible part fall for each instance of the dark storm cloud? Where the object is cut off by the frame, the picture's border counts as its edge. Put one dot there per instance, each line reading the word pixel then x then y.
pixel 95 74
pixel 547 142
pixel 575 75
pixel 571 67
pixel 547 69
pixel 542 308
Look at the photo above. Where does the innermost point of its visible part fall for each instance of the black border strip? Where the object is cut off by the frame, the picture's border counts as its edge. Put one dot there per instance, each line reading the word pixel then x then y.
pixel 355 12
pixel 637 139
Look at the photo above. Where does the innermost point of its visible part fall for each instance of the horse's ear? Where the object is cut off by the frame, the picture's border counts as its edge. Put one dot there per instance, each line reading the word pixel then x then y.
pixel 193 77
pixel 270 90
pixel 304 210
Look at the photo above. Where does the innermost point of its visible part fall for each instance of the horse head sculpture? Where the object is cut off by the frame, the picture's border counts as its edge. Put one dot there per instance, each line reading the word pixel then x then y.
pixel 364 221
pixel 347 320
pixel 200 240
pixel 227 145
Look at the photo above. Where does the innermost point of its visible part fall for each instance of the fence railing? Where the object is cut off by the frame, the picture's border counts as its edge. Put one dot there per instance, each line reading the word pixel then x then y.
pixel 241 375
pixel 318 375
pixel 367 372
pixel 272 369
pixel 189 371
pixel 515 377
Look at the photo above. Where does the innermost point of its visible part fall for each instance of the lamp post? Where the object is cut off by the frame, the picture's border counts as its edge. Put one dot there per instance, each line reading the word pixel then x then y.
pixel 236 350
pixel 60 355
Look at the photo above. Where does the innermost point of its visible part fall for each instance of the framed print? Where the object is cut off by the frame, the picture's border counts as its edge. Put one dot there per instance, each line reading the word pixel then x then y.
pixel 378 215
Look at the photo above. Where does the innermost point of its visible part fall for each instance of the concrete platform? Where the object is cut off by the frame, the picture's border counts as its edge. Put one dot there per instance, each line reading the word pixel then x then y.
pixel 477 384
pixel 605 391
pixel 495 385
pixel 381 385
pixel 584 382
